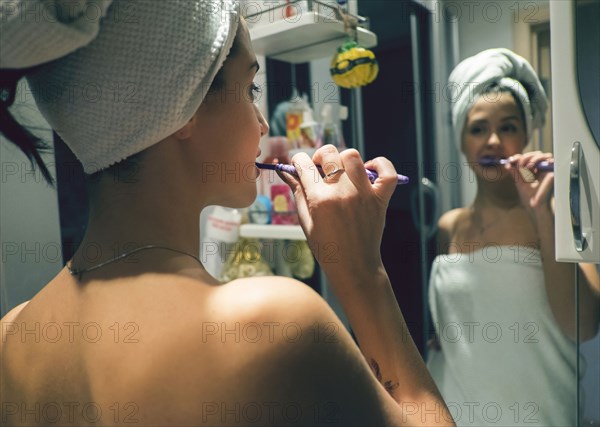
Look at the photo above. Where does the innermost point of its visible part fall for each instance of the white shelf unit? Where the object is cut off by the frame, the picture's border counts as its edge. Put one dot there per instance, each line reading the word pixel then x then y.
pixel 270 231
pixel 306 37
pixel 309 36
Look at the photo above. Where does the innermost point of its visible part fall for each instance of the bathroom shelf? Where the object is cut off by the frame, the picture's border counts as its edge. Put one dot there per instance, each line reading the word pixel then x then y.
pixel 305 37
pixel 270 231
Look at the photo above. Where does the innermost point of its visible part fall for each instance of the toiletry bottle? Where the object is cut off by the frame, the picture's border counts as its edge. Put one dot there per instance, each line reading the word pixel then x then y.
pixel 309 129
pixel 278 152
pixel 331 133
pixel 293 120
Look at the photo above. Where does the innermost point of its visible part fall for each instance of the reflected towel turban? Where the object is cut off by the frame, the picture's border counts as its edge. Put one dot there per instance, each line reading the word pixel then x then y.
pixel 473 76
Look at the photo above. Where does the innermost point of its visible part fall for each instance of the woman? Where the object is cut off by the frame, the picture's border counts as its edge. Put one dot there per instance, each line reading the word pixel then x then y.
pixel 504 310
pixel 149 337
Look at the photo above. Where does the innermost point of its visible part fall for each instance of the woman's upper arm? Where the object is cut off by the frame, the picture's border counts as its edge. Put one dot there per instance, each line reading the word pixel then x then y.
pixel 592 276
pixel 445 227
pixel 326 372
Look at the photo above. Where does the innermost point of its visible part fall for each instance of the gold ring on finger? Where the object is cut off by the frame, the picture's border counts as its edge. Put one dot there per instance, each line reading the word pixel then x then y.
pixel 333 173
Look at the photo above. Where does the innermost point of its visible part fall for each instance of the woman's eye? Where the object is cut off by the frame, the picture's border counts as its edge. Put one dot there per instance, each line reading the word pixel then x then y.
pixel 254 91
pixel 476 130
pixel 509 128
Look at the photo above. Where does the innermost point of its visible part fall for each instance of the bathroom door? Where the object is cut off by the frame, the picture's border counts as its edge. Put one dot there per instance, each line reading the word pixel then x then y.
pixel 576 91
pixel 398 116
pixel 576 119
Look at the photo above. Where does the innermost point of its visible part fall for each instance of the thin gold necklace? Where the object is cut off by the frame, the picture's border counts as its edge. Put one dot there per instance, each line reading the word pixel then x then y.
pixel 79 273
pixel 498 219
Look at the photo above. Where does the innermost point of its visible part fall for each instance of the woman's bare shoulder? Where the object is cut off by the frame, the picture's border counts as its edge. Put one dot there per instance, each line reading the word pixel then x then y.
pixel 270 298
pixel 449 220
pixel 447 227
pixel 12 314
pixel 6 326
pixel 294 348
pixel 272 316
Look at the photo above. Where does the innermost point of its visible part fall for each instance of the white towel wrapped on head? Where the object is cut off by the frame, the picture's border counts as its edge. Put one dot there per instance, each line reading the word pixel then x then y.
pixel 34 32
pixel 502 67
pixel 130 79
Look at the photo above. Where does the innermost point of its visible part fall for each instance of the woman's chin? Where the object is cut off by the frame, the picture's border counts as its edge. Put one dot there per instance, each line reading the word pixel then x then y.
pixel 493 174
pixel 242 199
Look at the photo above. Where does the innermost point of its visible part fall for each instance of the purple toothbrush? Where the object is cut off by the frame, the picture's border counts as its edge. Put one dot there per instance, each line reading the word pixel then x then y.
pixel 372 175
pixel 492 161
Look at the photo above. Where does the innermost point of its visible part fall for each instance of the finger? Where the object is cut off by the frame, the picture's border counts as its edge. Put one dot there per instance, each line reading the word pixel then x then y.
pixel 522 167
pixel 547 157
pixel 524 159
pixel 545 187
pixel 534 159
pixel 302 206
pixel 386 183
pixel 308 173
pixel 298 191
pixel 289 179
pixel 514 170
pixel 513 161
pixel 329 158
pixel 355 169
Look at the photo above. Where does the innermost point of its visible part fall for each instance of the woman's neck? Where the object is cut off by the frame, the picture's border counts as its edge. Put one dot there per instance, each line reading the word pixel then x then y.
pixel 124 217
pixel 143 223
pixel 498 194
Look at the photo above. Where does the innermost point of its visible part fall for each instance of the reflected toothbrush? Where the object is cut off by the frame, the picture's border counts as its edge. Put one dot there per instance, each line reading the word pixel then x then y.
pixel 492 161
pixel 371 174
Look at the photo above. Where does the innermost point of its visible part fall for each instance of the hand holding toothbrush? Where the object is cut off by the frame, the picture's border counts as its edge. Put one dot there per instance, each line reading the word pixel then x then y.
pixel 342 213
pixel 534 179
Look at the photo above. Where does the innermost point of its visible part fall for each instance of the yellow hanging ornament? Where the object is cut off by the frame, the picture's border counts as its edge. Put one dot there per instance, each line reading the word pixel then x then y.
pixel 300 259
pixel 353 66
pixel 246 261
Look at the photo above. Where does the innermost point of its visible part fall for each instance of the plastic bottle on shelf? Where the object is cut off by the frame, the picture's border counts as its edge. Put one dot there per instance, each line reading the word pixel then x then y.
pixel 274 194
pixel 293 121
pixel 278 152
pixel 295 8
pixel 310 135
pixel 331 133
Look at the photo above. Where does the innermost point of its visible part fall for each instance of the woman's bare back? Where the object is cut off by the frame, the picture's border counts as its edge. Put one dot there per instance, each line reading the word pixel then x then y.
pixel 149 350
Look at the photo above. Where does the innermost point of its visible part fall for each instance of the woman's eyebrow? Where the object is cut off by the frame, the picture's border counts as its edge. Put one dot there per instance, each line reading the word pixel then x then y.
pixel 510 118
pixel 256 65
pixel 478 121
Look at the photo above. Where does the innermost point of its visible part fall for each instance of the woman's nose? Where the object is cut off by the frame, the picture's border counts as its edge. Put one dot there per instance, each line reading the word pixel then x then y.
pixel 493 139
pixel 264 126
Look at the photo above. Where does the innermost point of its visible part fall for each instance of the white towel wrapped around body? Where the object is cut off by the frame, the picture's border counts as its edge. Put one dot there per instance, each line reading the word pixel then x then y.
pixel 503 359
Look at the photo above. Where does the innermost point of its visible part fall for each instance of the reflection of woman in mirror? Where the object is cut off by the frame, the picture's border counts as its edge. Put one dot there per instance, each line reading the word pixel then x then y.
pixel 504 310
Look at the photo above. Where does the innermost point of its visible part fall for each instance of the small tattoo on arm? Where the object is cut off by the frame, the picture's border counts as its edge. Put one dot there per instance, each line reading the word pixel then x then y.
pixel 375 368
pixel 389 385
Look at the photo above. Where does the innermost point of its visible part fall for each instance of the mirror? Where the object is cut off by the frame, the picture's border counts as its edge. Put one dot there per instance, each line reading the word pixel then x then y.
pixel 588 61
pixel 493 290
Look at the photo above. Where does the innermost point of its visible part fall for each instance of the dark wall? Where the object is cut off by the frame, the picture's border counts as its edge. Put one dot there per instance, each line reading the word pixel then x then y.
pixel 390 131
pixel 72 198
